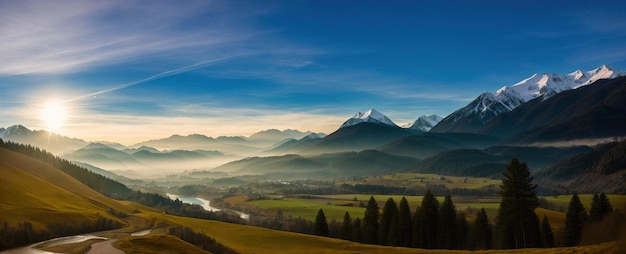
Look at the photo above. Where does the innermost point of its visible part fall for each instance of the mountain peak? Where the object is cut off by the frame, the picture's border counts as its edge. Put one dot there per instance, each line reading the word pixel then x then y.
pixel 15 131
pixel 488 105
pixel 370 116
pixel 424 123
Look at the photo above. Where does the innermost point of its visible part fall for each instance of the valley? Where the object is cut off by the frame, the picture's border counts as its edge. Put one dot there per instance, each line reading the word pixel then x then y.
pixel 274 186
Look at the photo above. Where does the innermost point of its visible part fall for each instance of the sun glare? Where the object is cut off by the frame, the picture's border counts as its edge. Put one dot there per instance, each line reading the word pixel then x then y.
pixel 53 115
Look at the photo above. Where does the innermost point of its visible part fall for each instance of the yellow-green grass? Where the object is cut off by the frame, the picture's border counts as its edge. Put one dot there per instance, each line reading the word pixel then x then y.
pixel 156 244
pixel 334 206
pixel 617 201
pixel 421 180
pixel 59 193
pixel 246 239
pixel 33 191
pixel 308 209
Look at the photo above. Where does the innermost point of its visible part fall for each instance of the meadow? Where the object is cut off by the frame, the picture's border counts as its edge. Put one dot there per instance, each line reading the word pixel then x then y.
pixel 335 206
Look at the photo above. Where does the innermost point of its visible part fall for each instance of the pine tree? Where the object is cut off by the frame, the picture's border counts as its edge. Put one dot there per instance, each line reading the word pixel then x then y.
pixel 605 204
pixel 546 233
pixel 462 230
pixel 595 212
pixel 482 233
pixel 346 227
pixel 357 230
pixel 405 225
pixel 321 225
pixel 600 207
pixel 389 211
pixel 575 219
pixel 447 224
pixel 371 224
pixel 393 237
pixel 426 222
pixel 517 224
pixel 416 228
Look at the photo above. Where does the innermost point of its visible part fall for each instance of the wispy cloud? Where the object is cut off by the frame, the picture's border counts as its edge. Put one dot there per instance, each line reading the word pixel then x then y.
pixel 154 77
pixel 68 36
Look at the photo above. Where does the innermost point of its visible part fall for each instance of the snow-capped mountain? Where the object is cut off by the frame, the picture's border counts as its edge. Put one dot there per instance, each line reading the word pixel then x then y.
pixel 49 141
pixel 488 105
pixel 14 131
pixel 424 123
pixel 371 116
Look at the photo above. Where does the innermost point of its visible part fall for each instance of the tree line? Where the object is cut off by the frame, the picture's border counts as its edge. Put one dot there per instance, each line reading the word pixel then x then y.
pixel 440 226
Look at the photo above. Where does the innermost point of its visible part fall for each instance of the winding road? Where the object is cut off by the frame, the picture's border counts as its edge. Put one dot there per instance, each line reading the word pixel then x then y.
pixel 105 247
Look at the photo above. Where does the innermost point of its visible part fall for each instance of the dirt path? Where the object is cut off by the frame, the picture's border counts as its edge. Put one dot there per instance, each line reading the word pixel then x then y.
pixel 105 247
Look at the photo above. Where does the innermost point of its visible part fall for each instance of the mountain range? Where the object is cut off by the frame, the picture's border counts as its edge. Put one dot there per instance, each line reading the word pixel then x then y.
pixel 488 105
pixel 536 119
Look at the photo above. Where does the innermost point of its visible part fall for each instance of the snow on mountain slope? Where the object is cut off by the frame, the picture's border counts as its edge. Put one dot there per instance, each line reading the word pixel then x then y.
pixel 488 105
pixel 550 84
pixel 371 116
pixel 15 131
pixel 424 123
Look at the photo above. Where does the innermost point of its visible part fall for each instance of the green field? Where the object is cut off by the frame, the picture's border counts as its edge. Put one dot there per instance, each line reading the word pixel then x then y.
pixel 617 201
pixel 334 206
pixel 422 180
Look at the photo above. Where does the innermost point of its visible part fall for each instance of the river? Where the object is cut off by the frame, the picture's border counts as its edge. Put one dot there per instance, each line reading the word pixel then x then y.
pixel 206 204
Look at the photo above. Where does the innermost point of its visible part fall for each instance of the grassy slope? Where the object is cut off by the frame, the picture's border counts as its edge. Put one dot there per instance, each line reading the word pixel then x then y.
pixel 27 194
pixel 31 190
pixel 246 239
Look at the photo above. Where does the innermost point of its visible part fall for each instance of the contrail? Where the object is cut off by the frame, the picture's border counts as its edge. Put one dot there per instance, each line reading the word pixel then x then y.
pixel 157 76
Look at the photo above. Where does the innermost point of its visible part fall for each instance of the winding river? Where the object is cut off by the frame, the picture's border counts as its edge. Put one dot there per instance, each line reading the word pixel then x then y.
pixel 206 204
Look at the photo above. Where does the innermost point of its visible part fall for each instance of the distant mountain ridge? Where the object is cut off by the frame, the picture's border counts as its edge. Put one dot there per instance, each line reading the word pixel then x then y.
pixel 52 142
pixel 424 123
pixel 489 105
pixel 370 116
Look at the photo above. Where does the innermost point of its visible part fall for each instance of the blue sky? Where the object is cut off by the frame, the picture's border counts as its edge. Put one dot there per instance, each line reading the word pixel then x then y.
pixel 133 70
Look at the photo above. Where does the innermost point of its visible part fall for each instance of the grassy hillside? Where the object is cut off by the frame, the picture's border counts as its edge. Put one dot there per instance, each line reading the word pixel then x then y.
pixel 33 190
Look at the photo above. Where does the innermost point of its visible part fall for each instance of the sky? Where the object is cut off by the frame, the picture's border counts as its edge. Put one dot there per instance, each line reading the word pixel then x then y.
pixel 128 71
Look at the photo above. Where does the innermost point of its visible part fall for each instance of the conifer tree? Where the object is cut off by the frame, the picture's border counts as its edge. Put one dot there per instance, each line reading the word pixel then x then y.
pixel 393 230
pixel 600 207
pixel 357 230
pixel 386 222
pixel 517 224
pixel 426 223
pixel 405 224
pixel 416 228
pixel 370 222
pixel 575 219
pixel 482 233
pixel 546 233
pixel 346 227
pixel 462 231
pixel 321 225
pixel 447 224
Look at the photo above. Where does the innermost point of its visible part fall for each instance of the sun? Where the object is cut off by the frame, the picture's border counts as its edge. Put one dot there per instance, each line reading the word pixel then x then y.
pixel 53 114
